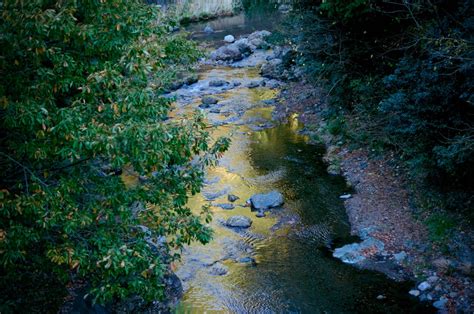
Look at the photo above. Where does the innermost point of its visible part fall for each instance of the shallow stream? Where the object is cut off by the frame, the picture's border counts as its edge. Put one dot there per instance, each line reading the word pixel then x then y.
pixel 283 262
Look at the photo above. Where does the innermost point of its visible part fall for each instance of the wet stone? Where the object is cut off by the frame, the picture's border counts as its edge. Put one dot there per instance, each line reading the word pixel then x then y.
pixel 354 253
pixel 253 84
pixel 232 198
pixel 266 200
pixel 218 269
pixel 217 83
pixel 247 260
pixel 226 206
pixel 209 100
pixel 239 222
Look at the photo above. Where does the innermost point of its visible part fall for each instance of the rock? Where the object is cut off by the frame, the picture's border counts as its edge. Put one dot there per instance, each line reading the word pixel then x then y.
pixel 236 83
pixel 243 45
pixel 229 39
pixel 191 79
pixel 442 263
pixel 271 84
pixel 225 206
pixel 441 303
pixel 218 269
pixel 414 292
pixel 227 53
pixel 217 83
pixel 258 43
pixel 424 286
pixel 266 201
pixel 212 195
pixel 380 297
pixel 232 198
pixel 204 106
pixel 208 29
pixel 247 260
pixel 209 100
pixel 253 84
pixel 259 34
pixel 432 279
pixel 272 69
pixel 345 196
pixel 400 257
pixel 260 214
pixel 355 253
pixel 284 8
pixel 239 222
pixel 215 110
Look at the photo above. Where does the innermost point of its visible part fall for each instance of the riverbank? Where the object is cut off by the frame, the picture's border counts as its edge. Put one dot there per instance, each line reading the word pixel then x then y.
pixel 380 209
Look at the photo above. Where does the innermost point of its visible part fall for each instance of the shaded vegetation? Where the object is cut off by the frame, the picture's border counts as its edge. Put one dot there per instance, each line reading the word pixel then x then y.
pixel 79 105
pixel 399 76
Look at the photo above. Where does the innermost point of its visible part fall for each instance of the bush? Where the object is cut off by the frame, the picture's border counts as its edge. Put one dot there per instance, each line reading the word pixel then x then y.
pixel 79 95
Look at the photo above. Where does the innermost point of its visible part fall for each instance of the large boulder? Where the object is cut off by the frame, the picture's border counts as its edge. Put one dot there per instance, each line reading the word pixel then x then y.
pixel 227 53
pixel 272 69
pixel 239 222
pixel 266 200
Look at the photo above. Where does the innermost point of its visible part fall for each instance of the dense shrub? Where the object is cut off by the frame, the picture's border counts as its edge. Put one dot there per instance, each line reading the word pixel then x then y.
pixel 403 72
pixel 79 104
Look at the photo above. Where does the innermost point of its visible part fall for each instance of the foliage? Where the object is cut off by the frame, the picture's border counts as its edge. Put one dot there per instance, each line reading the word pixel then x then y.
pixel 80 104
pixel 402 72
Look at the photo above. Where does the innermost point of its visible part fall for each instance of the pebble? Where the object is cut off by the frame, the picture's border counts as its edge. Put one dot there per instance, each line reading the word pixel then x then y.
pixel 380 297
pixel 260 214
pixel 424 286
pixel 345 196
pixel 414 292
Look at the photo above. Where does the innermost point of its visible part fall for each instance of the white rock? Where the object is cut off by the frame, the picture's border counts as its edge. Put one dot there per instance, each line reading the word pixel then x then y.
pixel 424 286
pixel 345 196
pixel 229 39
pixel 414 292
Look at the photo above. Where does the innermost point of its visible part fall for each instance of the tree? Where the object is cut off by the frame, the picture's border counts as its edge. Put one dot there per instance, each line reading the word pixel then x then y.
pixel 79 104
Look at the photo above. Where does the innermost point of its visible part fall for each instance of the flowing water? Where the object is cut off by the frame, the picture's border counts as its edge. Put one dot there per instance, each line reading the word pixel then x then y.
pixel 283 262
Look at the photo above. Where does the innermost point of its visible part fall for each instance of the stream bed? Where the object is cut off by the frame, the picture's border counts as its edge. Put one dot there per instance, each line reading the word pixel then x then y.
pixel 283 263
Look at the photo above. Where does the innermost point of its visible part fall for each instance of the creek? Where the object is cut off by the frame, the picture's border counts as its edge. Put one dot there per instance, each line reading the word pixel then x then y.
pixel 283 262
